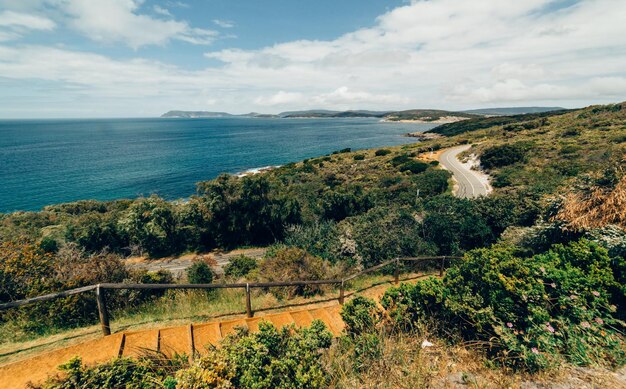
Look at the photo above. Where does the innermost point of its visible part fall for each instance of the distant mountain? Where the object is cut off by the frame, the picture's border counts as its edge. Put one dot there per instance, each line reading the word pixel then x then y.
pixel 308 113
pixel 209 114
pixel 418 115
pixel 195 114
pixel 512 110
pixel 428 116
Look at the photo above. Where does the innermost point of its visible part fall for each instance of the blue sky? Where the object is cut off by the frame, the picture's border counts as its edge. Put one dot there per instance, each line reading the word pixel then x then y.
pixel 125 58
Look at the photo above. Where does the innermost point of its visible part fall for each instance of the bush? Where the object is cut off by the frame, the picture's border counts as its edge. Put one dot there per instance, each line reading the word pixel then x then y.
pixel 414 167
pixel 49 245
pixel 150 223
pixel 499 156
pixel 271 358
pixel 455 225
pixel 360 315
pixel 382 152
pixel 199 273
pixel 337 205
pixel 385 233
pixel 27 271
pixel 319 239
pixel 240 266
pixel 145 372
pixel 400 159
pixel 532 311
pixel 293 264
pixel 358 157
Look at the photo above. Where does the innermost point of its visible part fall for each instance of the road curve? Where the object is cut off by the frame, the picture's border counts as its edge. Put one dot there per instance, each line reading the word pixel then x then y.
pixel 469 182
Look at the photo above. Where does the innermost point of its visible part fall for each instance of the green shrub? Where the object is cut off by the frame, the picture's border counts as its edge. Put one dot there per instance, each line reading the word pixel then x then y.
pixel 271 358
pixel 319 239
pixel 400 159
pixel 499 156
pixel 382 152
pixel 532 311
pixel 119 373
pixel 350 200
pixel 150 223
pixel 385 233
pixel 292 264
pixel 199 273
pixel 358 157
pixel 49 245
pixel 414 167
pixel 360 315
pixel 240 266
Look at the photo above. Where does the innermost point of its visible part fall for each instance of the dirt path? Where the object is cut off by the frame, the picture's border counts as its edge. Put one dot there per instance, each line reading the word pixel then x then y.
pixel 177 265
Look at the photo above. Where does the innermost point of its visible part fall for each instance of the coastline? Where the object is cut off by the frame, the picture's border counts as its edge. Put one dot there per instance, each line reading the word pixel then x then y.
pixel 441 120
pixel 256 170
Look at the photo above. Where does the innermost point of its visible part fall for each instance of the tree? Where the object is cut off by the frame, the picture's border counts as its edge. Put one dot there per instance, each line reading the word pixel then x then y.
pixel 455 225
pixel 150 222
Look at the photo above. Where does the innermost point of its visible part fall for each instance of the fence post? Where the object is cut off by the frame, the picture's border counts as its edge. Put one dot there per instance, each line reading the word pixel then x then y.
pixel 396 272
pixel 443 264
pixel 248 302
pixel 102 311
pixel 341 292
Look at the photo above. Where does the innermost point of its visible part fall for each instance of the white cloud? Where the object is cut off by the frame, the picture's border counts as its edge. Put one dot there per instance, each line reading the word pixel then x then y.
pixel 13 25
pixel 439 53
pixel 224 23
pixel 31 22
pixel 281 98
pixel 118 21
pixel 161 11
pixel 346 98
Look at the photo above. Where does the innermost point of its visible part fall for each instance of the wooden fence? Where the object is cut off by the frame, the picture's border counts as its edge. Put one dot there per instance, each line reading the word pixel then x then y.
pixel 103 312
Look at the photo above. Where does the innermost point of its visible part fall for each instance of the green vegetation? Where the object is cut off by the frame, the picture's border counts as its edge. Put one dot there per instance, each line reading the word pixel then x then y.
pixel 533 311
pixel 451 129
pixel 270 358
pixel 199 273
pixel 240 266
pixel 427 115
pixel 542 282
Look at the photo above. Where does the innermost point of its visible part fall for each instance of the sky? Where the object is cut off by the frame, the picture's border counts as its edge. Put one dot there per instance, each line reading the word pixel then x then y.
pixel 141 58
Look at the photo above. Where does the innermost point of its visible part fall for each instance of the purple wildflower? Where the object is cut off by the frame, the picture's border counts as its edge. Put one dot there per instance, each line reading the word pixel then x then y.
pixel 509 324
pixel 543 269
pixel 595 293
pixel 585 324
pixel 534 350
pixel 549 328
pixel 598 320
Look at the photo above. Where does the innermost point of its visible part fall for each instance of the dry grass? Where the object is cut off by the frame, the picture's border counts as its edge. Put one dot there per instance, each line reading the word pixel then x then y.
pixel 596 208
pixel 403 363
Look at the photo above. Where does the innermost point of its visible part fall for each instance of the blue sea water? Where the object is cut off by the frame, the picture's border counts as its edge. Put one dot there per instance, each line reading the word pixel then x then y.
pixel 46 162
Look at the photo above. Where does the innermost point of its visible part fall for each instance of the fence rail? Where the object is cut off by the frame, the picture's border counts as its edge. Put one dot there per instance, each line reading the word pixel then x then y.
pixel 103 313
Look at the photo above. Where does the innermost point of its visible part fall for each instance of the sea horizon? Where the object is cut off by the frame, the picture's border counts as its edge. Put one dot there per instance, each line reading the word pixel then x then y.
pixel 52 161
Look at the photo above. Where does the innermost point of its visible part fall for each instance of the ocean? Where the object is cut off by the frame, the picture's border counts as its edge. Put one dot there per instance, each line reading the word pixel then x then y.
pixel 45 162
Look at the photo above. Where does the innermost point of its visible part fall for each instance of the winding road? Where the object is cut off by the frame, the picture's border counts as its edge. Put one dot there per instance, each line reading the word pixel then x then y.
pixel 470 183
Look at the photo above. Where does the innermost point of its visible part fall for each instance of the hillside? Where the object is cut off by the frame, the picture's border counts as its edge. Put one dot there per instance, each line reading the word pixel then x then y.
pixel 478 123
pixel 552 231
pixel 428 116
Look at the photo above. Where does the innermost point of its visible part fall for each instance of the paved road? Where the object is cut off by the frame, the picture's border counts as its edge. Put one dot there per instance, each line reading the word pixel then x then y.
pixel 469 182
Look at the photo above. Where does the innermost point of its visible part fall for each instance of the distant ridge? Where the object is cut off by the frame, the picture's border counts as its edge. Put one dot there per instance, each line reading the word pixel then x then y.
pixel 209 114
pixel 512 110
pixel 421 115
